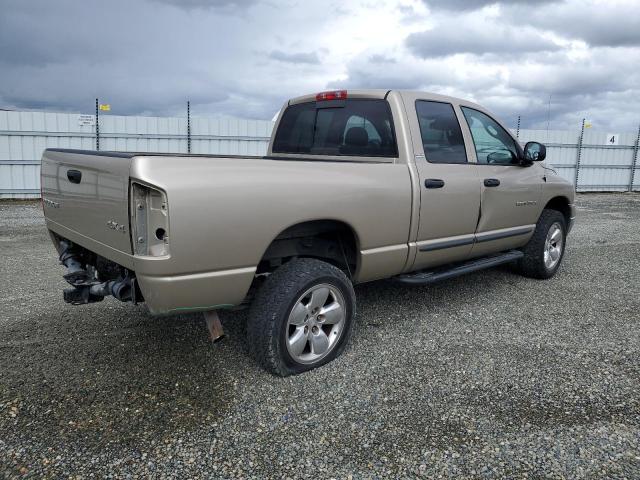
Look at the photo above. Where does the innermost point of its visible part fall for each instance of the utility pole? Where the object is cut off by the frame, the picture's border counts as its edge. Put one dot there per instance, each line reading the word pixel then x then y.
pixel 634 164
pixel 97 125
pixel 188 126
pixel 579 154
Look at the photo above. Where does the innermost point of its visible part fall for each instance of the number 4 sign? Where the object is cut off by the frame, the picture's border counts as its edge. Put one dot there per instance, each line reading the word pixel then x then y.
pixel 612 139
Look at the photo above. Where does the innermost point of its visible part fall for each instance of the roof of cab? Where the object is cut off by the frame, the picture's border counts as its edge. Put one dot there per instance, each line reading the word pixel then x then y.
pixel 382 93
pixel 367 93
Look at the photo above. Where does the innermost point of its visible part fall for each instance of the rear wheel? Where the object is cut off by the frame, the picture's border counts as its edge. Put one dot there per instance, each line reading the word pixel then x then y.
pixel 544 252
pixel 302 317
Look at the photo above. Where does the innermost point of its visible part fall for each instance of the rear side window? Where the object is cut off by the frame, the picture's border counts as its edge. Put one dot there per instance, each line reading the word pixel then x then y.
pixel 357 127
pixel 440 131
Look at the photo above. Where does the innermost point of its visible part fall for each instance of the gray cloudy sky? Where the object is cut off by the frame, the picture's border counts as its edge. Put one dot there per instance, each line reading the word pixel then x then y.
pixel 245 57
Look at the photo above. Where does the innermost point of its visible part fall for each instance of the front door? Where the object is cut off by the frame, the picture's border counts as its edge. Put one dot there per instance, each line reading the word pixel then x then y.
pixel 509 192
pixel 448 185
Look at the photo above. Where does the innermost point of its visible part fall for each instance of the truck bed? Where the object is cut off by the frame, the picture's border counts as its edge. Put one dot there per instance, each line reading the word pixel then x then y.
pixel 223 212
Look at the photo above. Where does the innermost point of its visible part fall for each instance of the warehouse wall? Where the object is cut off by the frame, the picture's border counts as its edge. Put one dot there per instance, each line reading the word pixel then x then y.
pixel 24 135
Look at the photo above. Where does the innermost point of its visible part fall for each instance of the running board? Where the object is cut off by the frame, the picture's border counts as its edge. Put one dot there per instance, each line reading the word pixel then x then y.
pixel 426 277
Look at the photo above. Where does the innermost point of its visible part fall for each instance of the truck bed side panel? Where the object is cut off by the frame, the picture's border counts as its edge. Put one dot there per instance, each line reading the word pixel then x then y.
pixel 225 212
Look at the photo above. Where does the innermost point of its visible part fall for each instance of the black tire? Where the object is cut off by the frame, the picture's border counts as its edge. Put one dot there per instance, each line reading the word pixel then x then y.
pixel 532 264
pixel 267 321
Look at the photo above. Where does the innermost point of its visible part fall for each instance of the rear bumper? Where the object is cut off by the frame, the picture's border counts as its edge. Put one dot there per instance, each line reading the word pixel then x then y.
pixel 199 291
pixel 164 293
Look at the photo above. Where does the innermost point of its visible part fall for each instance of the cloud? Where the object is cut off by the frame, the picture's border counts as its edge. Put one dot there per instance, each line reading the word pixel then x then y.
pixel 468 5
pixel 612 25
pixel 537 52
pixel 304 57
pixel 156 58
pixel 507 98
pixel 578 78
pixel 246 57
pixel 17 47
pixel 224 5
pixel 479 38
pixel 583 77
pixel 377 58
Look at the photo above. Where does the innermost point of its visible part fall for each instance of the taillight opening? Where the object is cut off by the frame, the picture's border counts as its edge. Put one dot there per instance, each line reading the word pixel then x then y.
pixel 149 221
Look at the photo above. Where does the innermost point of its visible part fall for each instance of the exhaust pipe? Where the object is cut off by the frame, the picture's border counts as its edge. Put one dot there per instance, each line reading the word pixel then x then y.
pixel 216 332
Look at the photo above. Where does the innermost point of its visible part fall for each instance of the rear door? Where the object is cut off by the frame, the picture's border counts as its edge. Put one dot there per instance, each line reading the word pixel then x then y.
pixel 448 183
pixel 509 191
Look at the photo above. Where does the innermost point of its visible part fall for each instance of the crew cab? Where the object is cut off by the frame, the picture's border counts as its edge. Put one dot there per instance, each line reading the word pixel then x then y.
pixel 356 186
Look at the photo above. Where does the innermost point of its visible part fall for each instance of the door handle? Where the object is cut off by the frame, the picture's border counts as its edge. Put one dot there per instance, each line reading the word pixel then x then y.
pixel 74 176
pixel 491 182
pixel 433 183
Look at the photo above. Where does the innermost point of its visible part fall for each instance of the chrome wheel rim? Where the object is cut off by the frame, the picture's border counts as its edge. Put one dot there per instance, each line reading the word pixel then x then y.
pixel 315 323
pixel 553 246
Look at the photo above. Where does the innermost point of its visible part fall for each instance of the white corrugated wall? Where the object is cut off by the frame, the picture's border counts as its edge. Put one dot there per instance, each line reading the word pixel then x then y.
pixel 24 135
pixel 602 167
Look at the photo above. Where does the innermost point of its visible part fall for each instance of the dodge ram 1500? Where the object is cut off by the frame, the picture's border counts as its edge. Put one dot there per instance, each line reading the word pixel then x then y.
pixel 356 186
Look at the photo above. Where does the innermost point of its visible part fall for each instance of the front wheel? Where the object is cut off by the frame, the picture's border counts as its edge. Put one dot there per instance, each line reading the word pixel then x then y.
pixel 302 317
pixel 545 250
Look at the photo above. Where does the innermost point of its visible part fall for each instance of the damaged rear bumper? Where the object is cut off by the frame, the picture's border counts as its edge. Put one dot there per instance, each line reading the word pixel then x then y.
pixel 139 279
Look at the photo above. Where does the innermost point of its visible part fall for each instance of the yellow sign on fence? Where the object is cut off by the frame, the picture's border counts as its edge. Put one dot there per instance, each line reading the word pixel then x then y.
pixel 105 107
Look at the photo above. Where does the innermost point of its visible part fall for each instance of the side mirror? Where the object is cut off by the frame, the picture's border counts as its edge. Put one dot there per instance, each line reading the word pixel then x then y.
pixel 535 152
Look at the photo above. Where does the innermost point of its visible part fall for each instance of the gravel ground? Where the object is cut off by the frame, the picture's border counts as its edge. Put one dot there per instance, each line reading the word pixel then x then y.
pixel 487 376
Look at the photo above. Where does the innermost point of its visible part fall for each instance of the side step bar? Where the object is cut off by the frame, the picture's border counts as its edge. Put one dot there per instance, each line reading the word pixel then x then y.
pixel 426 277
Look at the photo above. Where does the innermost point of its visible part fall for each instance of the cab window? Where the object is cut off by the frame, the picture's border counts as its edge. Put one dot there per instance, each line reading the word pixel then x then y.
pixel 355 127
pixel 440 131
pixel 493 144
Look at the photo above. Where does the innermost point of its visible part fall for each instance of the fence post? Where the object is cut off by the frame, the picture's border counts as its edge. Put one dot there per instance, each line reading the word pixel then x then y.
pixel 635 161
pixel 188 126
pixel 518 129
pixel 97 125
pixel 579 154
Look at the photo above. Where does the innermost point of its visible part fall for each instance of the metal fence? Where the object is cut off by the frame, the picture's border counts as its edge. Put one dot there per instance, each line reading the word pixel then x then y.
pixel 589 159
pixel 594 161
pixel 25 135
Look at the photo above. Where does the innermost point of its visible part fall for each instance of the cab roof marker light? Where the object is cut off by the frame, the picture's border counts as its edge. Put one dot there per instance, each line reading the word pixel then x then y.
pixel 332 95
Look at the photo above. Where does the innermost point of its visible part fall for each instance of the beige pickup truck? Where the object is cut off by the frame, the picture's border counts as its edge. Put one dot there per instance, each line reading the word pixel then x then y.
pixel 356 186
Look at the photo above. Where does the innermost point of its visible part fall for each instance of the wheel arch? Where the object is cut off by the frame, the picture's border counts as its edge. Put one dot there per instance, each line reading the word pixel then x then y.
pixel 561 204
pixel 328 239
